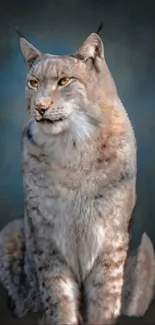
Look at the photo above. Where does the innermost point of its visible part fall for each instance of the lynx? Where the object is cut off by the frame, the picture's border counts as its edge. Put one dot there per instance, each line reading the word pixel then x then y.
pixel 79 179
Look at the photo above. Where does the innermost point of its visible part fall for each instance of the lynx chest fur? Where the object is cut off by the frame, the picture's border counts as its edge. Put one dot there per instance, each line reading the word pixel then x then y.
pixel 76 206
pixel 79 175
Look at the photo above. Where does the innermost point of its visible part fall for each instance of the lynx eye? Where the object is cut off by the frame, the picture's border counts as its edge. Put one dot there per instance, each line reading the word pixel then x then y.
pixel 33 83
pixel 63 81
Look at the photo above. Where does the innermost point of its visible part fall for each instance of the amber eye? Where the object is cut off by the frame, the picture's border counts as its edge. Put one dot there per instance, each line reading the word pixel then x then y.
pixel 63 81
pixel 33 83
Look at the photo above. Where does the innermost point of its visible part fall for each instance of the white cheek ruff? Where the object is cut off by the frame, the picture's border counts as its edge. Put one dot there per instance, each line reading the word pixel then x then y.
pixel 81 127
pixel 76 122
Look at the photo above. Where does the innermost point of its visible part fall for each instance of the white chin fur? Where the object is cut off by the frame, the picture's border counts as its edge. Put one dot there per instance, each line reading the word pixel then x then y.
pixel 55 128
pixel 39 131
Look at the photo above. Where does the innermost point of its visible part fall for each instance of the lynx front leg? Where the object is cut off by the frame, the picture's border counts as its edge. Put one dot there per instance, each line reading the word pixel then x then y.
pixel 59 293
pixel 104 285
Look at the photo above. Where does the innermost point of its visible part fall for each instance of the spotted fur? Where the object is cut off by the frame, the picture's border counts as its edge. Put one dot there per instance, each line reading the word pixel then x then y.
pixel 139 277
pixel 17 273
pixel 79 178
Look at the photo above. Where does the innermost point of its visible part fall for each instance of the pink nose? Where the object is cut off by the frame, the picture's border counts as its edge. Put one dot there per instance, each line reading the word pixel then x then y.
pixel 41 109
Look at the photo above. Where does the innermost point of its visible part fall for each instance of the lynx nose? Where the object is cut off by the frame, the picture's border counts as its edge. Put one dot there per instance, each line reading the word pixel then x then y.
pixel 41 109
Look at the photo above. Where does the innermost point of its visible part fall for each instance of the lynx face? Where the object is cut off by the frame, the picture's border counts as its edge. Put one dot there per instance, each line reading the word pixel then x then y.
pixel 58 96
pixel 63 92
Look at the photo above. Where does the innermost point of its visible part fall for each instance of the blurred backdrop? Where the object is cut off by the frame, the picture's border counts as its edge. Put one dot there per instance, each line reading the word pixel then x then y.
pixel 60 27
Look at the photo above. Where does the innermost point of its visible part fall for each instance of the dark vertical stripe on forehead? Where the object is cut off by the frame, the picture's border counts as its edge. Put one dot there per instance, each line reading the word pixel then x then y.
pixel 47 67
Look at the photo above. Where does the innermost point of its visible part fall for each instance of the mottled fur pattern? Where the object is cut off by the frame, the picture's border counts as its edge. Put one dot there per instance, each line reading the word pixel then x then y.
pixel 17 273
pixel 79 177
pixel 139 278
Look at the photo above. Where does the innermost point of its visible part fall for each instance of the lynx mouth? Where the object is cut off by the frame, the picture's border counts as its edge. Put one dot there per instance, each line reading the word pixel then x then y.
pixel 48 121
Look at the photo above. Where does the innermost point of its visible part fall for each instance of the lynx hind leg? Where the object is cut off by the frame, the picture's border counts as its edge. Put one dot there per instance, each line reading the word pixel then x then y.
pixel 11 248
pixel 141 279
pixel 12 274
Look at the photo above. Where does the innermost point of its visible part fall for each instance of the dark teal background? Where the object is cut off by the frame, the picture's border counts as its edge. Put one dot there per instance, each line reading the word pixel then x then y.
pixel 60 27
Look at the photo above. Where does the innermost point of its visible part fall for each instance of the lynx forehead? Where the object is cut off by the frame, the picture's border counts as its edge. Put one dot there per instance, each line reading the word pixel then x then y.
pixel 65 93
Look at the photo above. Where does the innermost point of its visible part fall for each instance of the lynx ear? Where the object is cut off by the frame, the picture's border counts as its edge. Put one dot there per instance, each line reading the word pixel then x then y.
pixel 29 52
pixel 92 48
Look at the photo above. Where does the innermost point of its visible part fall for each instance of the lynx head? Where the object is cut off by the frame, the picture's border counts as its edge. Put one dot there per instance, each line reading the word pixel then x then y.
pixel 64 93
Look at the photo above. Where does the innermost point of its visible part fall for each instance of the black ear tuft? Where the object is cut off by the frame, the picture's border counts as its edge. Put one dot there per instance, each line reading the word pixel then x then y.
pixel 18 32
pixel 99 28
